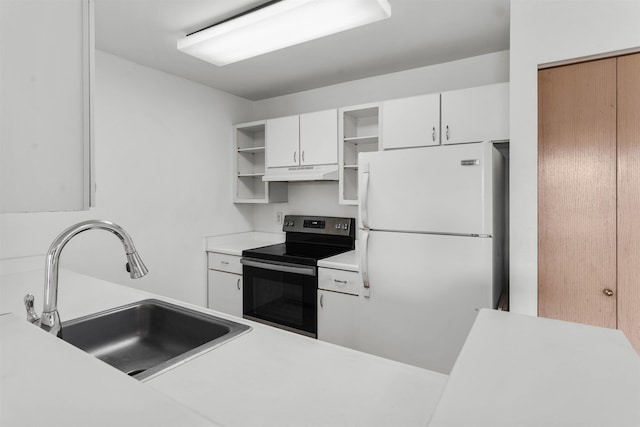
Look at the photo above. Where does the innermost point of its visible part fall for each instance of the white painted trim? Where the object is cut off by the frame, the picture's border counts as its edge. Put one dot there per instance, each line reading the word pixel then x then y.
pixel 88 42
pixel 589 58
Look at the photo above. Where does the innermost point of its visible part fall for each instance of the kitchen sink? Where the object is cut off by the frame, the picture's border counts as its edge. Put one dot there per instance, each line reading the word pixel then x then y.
pixel 149 337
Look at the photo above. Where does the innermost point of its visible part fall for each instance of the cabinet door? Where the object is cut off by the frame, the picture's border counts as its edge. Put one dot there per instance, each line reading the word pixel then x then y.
pixel 319 138
pixel 225 292
pixel 628 296
pixel 282 142
pixel 411 122
pixel 476 114
pixel 337 318
pixel 577 193
pixel 45 116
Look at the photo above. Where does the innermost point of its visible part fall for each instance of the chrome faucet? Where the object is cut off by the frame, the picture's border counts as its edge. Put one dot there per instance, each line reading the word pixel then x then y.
pixel 50 319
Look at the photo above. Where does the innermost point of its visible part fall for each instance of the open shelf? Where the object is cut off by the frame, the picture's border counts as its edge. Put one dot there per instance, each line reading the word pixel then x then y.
pixel 249 159
pixel 359 128
pixel 251 149
pixel 241 175
pixel 367 139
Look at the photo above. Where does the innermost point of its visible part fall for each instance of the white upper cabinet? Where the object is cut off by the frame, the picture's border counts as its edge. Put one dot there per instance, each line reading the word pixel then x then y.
pixel 45 113
pixel 283 142
pixel 476 114
pixel 307 139
pixel 319 138
pixel 411 122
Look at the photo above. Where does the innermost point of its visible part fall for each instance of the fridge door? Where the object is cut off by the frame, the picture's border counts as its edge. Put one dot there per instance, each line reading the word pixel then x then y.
pixel 444 189
pixel 425 291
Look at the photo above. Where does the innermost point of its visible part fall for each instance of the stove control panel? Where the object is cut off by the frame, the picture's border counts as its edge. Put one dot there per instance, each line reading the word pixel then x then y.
pixel 319 225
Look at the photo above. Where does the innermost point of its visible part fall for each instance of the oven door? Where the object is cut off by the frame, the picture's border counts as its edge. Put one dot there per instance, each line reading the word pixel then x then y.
pixel 281 294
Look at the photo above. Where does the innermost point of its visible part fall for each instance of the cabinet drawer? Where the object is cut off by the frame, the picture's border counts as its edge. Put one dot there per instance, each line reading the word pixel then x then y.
pixel 348 282
pixel 224 262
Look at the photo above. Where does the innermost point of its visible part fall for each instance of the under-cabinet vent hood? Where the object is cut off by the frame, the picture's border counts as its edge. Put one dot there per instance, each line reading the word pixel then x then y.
pixel 302 173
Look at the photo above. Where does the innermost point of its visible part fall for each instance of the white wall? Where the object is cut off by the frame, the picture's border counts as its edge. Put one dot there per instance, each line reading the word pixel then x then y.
pixel 163 172
pixel 305 198
pixel 544 31
pixel 469 72
pixel 322 197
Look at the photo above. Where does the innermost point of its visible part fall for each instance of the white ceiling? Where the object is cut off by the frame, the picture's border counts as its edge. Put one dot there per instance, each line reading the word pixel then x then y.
pixel 419 33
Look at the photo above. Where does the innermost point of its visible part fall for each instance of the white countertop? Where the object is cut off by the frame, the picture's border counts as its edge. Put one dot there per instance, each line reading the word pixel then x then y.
pixel 266 377
pixel 517 370
pixel 47 382
pixel 513 371
pixel 345 261
pixel 234 244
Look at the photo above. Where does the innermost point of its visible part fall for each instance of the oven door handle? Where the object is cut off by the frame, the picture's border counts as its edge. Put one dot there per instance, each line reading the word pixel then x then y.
pixel 285 268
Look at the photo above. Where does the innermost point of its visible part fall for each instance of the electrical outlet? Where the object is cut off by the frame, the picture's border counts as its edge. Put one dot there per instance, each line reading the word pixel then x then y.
pixel 279 218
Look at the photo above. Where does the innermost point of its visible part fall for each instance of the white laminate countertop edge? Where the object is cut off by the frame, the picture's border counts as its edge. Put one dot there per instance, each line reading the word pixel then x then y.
pixel 21 264
pixel 348 261
pixel 234 244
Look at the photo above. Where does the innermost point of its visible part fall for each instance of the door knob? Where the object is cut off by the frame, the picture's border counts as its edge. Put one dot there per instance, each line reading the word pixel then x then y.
pixel 607 292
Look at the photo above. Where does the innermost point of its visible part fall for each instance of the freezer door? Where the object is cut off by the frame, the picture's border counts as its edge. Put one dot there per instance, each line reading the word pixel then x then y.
pixel 444 189
pixel 425 291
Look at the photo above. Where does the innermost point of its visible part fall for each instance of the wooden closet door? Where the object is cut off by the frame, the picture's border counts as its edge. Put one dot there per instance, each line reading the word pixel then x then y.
pixel 577 192
pixel 629 197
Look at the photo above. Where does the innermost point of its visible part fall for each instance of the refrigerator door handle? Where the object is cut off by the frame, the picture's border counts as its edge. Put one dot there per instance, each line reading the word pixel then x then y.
pixel 364 196
pixel 364 262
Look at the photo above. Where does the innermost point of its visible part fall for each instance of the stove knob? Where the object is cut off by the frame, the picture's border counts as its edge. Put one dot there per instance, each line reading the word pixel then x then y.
pixel 337 226
pixel 291 223
pixel 345 226
pixel 286 223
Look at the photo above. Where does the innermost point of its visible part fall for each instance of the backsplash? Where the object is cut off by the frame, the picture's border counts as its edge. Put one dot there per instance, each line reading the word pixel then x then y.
pixel 305 198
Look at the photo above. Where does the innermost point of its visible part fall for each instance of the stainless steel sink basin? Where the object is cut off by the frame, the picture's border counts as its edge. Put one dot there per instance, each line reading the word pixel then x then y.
pixel 149 337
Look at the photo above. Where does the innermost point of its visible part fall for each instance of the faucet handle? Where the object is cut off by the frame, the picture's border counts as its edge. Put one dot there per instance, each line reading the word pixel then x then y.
pixel 31 312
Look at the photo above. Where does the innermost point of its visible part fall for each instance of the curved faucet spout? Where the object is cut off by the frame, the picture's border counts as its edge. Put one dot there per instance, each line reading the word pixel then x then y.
pixel 50 320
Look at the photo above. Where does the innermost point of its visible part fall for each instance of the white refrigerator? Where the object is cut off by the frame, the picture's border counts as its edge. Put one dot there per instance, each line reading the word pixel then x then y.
pixel 431 228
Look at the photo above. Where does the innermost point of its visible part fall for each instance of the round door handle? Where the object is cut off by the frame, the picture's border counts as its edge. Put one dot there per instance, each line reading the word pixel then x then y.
pixel 608 292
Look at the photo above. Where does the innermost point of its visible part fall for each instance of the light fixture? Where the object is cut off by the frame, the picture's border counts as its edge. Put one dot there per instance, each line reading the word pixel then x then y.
pixel 279 24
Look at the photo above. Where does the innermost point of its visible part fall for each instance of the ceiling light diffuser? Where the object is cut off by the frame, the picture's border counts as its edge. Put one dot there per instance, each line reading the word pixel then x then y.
pixel 278 25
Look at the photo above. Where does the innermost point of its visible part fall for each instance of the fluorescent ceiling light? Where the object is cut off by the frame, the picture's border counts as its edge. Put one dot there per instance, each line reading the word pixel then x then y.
pixel 279 25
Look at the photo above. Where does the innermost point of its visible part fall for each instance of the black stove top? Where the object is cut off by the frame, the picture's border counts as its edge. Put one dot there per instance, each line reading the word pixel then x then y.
pixel 309 239
pixel 295 253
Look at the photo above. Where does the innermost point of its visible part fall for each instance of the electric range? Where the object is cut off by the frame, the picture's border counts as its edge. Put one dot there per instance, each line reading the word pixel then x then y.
pixel 281 281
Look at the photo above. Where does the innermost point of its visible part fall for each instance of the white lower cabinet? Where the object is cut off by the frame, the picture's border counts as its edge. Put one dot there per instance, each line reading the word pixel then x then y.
pixel 337 311
pixel 224 283
pixel 337 318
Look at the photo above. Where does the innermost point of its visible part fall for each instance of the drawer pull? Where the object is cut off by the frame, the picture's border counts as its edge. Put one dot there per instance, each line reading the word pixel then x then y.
pixel 238 284
pixel 224 262
pixel 340 282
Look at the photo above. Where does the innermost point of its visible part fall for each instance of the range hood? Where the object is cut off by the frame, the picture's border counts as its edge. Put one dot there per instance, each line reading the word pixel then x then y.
pixel 302 173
